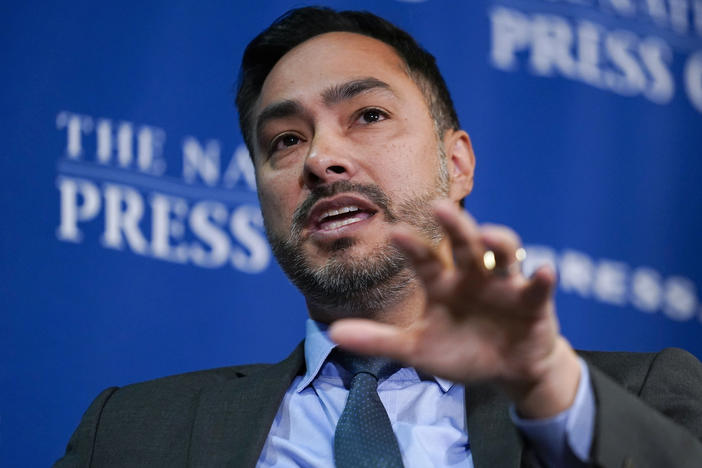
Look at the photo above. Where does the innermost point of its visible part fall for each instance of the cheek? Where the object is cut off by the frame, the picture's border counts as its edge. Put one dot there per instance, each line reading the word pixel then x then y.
pixel 410 166
pixel 411 151
pixel 277 203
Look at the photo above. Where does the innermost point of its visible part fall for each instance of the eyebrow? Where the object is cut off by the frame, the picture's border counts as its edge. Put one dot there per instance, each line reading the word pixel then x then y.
pixel 330 96
pixel 277 110
pixel 351 89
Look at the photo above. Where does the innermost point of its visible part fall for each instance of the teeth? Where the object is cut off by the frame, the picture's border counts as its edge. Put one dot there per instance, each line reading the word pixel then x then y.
pixel 338 224
pixel 345 209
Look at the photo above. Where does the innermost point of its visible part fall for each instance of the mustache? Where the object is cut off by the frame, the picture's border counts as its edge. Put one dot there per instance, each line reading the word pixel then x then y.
pixel 371 191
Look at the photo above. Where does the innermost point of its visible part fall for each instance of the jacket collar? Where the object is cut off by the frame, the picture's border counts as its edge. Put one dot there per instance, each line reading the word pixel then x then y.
pixel 232 419
pixel 494 441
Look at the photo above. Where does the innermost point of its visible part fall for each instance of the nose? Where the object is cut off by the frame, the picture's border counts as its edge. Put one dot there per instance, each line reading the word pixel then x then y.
pixel 328 161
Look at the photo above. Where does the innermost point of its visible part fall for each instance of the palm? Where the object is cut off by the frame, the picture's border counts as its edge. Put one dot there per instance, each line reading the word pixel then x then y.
pixel 475 325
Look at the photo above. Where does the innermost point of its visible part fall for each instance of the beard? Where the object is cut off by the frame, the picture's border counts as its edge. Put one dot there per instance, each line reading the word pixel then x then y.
pixel 356 286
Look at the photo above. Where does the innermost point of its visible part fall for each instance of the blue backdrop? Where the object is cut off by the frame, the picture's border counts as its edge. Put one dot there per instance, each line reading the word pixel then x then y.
pixel 132 244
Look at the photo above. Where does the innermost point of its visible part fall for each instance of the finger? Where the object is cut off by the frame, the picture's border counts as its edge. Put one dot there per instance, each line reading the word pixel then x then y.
pixel 525 296
pixel 502 241
pixel 540 286
pixel 464 235
pixel 425 259
pixel 372 338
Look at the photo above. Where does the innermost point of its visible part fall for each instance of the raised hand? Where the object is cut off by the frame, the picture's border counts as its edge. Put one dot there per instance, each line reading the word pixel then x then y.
pixel 478 324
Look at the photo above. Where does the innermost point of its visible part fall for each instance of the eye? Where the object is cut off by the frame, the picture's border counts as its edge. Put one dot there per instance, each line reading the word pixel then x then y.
pixel 284 141
pixel 369 116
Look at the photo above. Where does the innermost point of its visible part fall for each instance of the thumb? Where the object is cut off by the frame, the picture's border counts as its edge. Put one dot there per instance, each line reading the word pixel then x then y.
pixel 372 338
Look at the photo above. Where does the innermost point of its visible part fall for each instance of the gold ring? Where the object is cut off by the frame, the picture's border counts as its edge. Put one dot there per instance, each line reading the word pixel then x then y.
pixel 490 263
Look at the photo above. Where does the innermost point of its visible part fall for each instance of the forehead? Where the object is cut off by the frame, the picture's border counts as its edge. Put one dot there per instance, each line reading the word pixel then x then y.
pixel 329 59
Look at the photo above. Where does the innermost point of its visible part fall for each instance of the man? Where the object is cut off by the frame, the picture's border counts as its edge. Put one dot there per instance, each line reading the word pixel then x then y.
pixel 361 167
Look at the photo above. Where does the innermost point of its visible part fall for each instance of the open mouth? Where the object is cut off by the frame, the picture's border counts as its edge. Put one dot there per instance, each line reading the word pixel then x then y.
pixel 334 214
pixel 334 219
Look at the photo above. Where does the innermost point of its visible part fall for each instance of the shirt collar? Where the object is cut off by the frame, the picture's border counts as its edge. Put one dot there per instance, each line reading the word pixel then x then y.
pixel 444 384
pixel 317 349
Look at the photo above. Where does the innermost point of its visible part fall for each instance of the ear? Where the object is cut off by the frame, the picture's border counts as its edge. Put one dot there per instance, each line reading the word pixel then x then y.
pixel 460 162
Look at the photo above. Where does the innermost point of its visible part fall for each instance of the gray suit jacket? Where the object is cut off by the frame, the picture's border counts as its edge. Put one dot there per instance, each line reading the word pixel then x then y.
pixel 649 414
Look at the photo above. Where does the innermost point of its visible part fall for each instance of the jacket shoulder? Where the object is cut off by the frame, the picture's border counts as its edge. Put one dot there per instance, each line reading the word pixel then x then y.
pixel 661 423
pixel 637 371
pixel 120 419
pixel 629 369
pixel 169 390
pixel 199 378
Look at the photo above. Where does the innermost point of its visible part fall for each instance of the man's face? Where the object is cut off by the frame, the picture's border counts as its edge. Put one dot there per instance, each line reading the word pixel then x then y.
pixel 345 148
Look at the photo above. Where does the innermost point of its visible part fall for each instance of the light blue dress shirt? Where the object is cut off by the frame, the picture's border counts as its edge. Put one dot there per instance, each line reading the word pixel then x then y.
pixel 427 415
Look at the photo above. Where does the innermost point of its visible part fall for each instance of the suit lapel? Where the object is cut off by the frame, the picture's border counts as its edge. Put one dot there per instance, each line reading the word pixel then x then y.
pixel 494 441
pixel 232 419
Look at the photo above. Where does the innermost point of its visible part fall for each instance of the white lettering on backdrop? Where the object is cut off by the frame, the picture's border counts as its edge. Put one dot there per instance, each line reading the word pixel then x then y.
pixel 575 39
pixel 112 182
pixel 618 284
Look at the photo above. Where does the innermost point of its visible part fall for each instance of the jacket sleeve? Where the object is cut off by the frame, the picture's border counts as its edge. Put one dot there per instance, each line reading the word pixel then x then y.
pixel 660 428
pixel 79 450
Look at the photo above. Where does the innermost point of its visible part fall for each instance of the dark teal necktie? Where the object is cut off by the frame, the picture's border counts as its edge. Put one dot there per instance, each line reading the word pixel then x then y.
pixel 364 436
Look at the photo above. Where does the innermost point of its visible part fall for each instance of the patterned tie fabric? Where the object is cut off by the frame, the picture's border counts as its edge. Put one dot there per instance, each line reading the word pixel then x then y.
pixel 364 436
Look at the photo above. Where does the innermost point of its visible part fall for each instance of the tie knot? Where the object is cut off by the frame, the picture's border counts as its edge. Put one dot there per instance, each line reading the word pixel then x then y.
pixel 378 367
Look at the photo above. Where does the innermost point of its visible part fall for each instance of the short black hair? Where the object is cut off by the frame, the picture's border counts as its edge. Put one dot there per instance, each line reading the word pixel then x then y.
pixel 298 25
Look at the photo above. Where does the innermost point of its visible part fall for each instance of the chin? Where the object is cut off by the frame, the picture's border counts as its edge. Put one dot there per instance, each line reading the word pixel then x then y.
pixel 348 249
